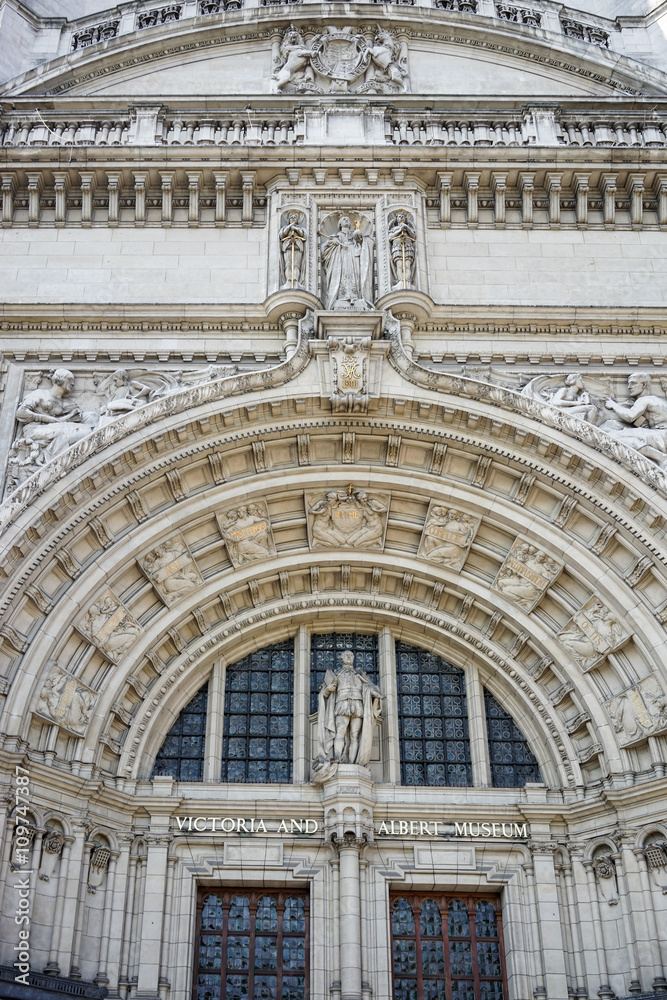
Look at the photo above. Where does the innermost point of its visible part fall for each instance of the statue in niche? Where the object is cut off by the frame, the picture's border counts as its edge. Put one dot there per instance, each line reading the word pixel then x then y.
pixel 50 421
pixel 402 237
pixel 349 706
pixel 647 416
pixel 347 519
pixel 292 237
pixel 347 265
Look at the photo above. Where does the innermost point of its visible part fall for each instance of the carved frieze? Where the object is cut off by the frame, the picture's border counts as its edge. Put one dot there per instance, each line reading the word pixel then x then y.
pixel 447 536
pixel 247 532
pixel 63 699
pixel 110 626
pixel 640 711
pixel 171 569
pixel 340 61
pixel 592 633
pixel 346 518
pixel 525 574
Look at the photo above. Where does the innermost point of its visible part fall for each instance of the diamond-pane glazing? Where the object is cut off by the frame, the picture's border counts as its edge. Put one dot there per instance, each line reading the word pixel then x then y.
pixel 182 753
pixel 257 737
pixel 433 719
pixel 512 760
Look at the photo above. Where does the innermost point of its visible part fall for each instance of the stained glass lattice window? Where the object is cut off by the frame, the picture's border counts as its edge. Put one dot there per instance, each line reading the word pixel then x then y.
pixel 512 761
pixel 182 753
pixel 251 945
pixel 433 719
pixel 324 655
pixel 446 948
pixel 257 731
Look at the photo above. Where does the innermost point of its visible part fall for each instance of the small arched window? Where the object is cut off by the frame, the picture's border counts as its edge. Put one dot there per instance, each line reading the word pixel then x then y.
pixel 182 753
pixel 512 761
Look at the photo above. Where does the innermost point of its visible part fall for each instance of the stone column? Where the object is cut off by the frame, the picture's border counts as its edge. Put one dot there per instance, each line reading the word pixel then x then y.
pixel 634 911
pixel 548 916
pixel 479 744
pixel 102 979
pixel 71 875
pixel 648 903
pixel 350 919
pixel 335 928
pixel 153 917
pixel 166 936
pixel 605 991
pixel 119 902
pixel 302 749
pixel 391 751
pixel 575 929
pixel 214 722
pixel 52 968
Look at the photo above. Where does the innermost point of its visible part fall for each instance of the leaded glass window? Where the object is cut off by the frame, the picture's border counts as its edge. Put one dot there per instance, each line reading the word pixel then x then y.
pixel 446 948
pixel 433 719
pixel 182 753
pixel 251 945
pixel 324 655
pixel 512 760
pixel 257 731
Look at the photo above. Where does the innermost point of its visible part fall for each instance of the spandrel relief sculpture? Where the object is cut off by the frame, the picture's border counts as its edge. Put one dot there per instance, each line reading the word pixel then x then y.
pixel 110 626
pixel 525 574
pixel 63 699
pixel 50 418
pixel 292 238
pixel 349 708
pixel 447 536
pixel 247 532
pixel 348 254
pixel 340 61
pixel 641 423
pixel 592 633
pixel 402 239
pixel 346 518
pixel 578 395
pixel 171 569
pixel 640 711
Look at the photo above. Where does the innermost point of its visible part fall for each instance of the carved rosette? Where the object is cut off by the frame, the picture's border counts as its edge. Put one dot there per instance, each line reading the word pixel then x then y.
pixel 592 633
pixel 526 574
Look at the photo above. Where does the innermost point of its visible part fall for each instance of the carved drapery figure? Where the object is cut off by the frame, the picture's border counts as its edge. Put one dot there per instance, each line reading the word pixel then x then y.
pixel 65 701
pixel 292 237
pixel 347 266
pixel 50 421
pixel 349 707
pixel 402 237
pixel 171 569
pixel 346 518
pixel 110 627
pixel 591 633
pixel 447 536
pixel 247 533
pixel 525 575
pixel 578 396
pixel 647 417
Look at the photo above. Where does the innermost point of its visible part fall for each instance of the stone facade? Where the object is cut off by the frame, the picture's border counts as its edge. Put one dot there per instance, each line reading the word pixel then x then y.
pixel 333 320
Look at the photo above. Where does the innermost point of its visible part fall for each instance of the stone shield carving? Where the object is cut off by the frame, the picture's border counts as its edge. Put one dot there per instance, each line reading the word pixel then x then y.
pixel 592 633
pixel 171 569
pixel 525 574
pixel 110 626
pixel 350 518
pixel 63 699
pixel 447 536
pixel 247 533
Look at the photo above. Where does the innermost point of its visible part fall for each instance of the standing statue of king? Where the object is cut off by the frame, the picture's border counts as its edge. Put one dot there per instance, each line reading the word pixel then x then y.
pixel 348 710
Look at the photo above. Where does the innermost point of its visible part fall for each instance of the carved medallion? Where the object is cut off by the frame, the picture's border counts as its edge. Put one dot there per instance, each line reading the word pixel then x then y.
pixel 347 518
pixel 110 626
pixel 171 569
pixel 247 532
pixel 447 536
pixel 525 574
pixel 640 711
pixel 63 699
pixel 592 633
